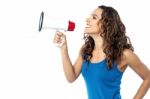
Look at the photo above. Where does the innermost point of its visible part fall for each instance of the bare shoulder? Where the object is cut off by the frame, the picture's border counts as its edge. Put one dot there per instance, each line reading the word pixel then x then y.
pixel 130 57
pixel 123 63
pixel 128 53
pixel 134 62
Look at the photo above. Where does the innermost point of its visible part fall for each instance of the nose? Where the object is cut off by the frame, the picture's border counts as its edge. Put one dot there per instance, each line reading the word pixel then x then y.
pixel 88 19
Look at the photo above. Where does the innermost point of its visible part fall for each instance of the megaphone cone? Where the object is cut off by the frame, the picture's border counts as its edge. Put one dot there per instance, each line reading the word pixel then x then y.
pixel 46 22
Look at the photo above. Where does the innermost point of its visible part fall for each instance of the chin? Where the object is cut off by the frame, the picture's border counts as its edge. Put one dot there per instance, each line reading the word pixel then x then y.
pixel 86 32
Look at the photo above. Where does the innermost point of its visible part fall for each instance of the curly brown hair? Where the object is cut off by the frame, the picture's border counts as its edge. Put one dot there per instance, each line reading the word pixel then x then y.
pixel 114 35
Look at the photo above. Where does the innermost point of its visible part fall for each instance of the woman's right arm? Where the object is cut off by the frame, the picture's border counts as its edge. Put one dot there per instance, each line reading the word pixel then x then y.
pixel 71 71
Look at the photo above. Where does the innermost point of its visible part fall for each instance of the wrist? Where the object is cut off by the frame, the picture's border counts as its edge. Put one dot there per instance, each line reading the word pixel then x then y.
pixel 63 49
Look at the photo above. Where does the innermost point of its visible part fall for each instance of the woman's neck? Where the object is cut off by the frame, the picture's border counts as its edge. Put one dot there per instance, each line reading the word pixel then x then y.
pixel 98 41
pixel 98 53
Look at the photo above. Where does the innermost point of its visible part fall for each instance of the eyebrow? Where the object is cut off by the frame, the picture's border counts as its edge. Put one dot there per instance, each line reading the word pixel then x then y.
pixel 96 15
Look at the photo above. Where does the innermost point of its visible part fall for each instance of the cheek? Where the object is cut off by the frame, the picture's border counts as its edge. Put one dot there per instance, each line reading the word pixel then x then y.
pixel 97 28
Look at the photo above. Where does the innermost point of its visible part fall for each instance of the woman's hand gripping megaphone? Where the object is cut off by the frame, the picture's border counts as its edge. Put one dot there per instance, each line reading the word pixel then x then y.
pixel 60 39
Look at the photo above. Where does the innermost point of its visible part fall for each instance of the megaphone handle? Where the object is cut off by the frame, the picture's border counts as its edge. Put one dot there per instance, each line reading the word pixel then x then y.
pixel 59 44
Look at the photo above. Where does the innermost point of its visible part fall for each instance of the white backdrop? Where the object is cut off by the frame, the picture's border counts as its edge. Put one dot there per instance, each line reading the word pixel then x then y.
pixel 30 64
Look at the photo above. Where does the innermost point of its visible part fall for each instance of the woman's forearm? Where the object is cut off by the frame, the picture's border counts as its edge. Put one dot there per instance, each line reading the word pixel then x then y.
pixel 143 89
pixel 67 65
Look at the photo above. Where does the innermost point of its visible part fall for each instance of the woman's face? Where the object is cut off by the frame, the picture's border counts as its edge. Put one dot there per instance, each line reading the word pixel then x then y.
pixel 93 24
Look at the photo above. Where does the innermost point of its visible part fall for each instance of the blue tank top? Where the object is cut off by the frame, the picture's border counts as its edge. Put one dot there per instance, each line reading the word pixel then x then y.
pixel 101 82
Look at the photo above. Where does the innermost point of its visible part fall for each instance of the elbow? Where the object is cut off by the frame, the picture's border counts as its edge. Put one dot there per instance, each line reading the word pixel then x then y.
pixel 148 79
pixel 71 80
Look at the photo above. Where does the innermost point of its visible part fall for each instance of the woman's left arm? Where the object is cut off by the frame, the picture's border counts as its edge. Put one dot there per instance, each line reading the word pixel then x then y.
pixel 142 70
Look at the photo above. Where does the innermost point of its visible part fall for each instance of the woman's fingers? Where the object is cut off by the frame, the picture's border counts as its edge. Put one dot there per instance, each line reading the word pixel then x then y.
pixel 59 39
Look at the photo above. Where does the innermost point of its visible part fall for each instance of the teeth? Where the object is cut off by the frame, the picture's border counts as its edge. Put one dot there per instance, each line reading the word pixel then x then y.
pixel 87 26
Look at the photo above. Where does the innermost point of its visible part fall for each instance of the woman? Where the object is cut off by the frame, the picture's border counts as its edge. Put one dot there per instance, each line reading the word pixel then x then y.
pixel 104 56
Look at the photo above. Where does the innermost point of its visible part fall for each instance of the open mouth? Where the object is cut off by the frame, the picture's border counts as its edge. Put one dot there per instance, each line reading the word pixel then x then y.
pixel 87 26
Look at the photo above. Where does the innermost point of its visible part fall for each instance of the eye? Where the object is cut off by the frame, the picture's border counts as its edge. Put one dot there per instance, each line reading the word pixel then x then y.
pixel 94 17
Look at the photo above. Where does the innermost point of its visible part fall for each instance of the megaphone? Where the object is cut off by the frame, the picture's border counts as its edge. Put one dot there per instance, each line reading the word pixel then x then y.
pixel 57 24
